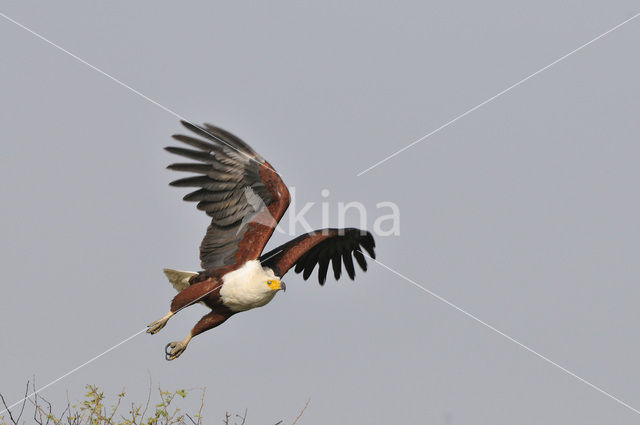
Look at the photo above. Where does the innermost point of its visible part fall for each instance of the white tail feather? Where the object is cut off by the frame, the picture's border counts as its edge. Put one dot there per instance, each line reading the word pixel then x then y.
pixel 178 278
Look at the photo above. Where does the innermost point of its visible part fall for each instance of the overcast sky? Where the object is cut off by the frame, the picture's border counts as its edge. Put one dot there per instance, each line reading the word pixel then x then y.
pixel 523 213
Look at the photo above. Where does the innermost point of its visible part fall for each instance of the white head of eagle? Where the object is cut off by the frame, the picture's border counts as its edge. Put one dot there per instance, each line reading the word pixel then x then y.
pixel 249 287
pixel 245 198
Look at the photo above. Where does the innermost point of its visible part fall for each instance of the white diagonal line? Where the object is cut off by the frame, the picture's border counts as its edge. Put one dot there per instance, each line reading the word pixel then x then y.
pixel 111 349
pixel 366 170
pixel 74 370
pixel 161 107
pixel 480 105
pixel 98 356
pixel 128 87
pixel 271 256
pixel 499 332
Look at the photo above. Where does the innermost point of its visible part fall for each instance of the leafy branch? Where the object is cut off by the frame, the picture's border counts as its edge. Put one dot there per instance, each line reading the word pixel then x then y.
pixel 91 410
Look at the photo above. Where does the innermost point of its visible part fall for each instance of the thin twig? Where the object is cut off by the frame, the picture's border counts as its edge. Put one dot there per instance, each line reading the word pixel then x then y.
pixel 144 412
pixel 204 389
pixel 24 402
pixel 244 418
pixel 301 412
pixel 8 411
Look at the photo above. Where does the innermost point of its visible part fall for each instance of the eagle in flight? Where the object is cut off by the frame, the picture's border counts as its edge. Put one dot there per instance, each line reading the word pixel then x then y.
pixel 245 198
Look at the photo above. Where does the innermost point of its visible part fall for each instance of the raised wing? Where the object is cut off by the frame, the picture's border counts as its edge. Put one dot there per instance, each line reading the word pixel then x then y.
pixel 321 247
pixel 238 189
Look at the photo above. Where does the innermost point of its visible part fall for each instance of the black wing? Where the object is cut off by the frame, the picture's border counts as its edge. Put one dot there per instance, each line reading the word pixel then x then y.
pixel 335 246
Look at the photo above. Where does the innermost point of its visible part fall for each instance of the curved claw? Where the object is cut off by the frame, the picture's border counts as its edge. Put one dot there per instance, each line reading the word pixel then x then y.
pixel 174 349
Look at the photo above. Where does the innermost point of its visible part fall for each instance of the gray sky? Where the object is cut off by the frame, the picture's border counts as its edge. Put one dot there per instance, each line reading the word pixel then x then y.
pixel 524 213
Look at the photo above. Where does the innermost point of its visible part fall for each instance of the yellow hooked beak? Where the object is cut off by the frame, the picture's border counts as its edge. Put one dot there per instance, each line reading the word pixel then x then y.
pixel 276 285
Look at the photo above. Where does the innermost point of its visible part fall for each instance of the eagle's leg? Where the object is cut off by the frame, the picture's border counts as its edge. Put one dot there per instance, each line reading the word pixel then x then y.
pixel 185 298
pixel 208 321
pixel 157 325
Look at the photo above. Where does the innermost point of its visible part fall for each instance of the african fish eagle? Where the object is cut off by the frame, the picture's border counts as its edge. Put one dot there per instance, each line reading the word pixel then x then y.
pixel 245 198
